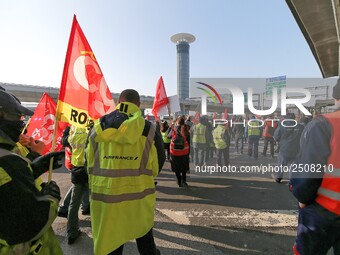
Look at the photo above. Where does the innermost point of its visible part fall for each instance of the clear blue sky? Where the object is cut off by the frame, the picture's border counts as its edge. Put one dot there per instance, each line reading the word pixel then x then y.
pixel 131 40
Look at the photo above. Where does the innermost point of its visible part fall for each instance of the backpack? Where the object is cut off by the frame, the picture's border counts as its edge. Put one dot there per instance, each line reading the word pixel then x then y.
pixel 178 140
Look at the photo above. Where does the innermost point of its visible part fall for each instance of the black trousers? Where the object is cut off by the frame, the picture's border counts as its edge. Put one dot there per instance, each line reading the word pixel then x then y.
pixel 269 140
pixel 145 244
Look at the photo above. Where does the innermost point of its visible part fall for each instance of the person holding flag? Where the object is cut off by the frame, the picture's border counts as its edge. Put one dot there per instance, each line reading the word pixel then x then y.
pixel 82 78
pixel 27 226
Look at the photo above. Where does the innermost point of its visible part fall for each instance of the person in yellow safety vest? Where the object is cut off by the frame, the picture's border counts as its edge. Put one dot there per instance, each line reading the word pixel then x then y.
pixel 221 140
pixel 64 206
pixel 26 212
pixel 199 136
pixel 79 178
pixel 165 130
pixel 124 154
pixel 253 129
pixel 316 184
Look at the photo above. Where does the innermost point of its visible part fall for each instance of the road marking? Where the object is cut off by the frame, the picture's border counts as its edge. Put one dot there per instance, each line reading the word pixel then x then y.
pixel 235 217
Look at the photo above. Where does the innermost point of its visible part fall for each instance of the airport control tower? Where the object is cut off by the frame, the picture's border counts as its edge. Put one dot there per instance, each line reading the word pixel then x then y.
pixel 182 41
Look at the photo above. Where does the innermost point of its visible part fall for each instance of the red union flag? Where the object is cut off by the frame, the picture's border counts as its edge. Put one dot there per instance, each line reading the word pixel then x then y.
pixel 225 114
pixel 84 94
pixel 196 118
pixel 161 99
pixel 42 124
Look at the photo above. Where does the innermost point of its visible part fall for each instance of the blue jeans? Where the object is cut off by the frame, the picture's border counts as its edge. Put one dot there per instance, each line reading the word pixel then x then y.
pixel 85 203
pixel 316 235
pixel 225 154
pixel 78 190
pixel 253 146
pixel 269 140
pixel 283 161
pixel 236 143
pixel 199 156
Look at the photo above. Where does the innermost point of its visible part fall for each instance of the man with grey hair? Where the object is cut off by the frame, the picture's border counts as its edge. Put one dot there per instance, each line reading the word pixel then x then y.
pixel 317 184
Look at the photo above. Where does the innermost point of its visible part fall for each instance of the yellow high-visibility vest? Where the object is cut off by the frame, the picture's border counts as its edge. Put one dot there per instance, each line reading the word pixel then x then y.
pixel 77 140
pixel 218 137
pixel 199 134
pixel 122 164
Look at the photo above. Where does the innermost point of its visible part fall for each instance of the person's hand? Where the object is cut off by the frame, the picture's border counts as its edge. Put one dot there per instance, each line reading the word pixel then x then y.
pixel 51 189
pixel 37 146
pixel 42 164
pixel 24 140
pixel 302 205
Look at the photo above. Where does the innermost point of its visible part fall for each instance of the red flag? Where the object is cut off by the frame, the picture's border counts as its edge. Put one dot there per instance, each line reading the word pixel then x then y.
pixel 42 124
pixel 161 99
pixel 225 115
pixel 84 94
pixel 196 118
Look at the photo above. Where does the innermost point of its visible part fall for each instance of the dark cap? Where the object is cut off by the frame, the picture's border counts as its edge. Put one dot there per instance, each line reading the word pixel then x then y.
pixel 10 104
pixel 336 90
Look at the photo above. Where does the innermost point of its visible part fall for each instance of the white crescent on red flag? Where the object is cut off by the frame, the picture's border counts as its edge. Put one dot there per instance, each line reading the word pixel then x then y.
pixel 84 94
pixel 161 99
pixel 42 124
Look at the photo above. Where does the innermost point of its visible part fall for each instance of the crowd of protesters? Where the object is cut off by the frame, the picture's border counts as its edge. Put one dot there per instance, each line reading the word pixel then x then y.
pixel 123 192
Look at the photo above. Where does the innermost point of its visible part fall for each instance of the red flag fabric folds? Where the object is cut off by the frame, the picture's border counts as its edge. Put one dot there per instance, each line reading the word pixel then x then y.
pixel 42 124
pixel 196 118
pixel 84 94
pixel 161 99
pixel 225 115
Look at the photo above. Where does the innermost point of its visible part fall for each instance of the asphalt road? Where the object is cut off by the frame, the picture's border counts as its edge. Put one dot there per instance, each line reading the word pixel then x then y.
pixel 220 213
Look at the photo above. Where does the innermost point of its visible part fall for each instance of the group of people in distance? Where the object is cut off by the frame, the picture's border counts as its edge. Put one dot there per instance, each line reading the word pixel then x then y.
pixel 118 158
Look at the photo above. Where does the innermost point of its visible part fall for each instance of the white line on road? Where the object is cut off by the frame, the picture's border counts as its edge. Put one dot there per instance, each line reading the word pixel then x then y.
pixel 233 218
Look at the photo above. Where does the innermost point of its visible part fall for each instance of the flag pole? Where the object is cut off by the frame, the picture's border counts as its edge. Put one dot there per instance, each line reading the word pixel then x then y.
pixel 63 80
pixel 169 111
pixel 53 147
pixel 27 123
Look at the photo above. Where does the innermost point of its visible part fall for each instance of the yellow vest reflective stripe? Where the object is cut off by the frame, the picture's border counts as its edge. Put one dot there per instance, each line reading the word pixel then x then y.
pixel 98 171
pixel 123 197
pixel 328 195
pixel 122 187
pixel 218 137
pixel 120 172
pixel 332 172
pixel 199 133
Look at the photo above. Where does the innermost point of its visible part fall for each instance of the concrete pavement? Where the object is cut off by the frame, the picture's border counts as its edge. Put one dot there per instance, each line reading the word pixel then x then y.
pixel 222 213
